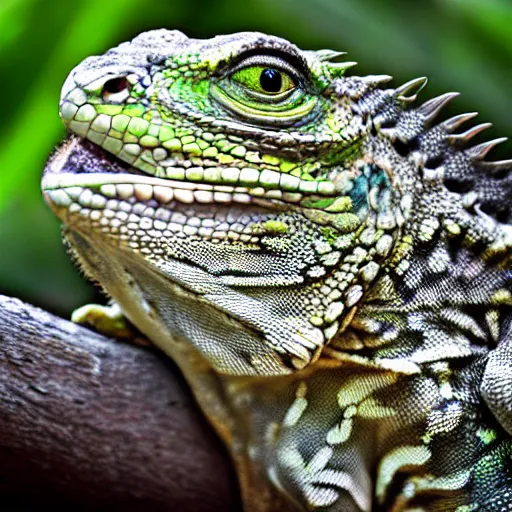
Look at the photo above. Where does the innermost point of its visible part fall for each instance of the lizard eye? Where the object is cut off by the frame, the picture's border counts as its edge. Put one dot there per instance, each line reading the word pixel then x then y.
pixel 265 89
pixel 116 90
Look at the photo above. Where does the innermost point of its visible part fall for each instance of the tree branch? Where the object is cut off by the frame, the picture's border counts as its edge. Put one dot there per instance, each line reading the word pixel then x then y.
pixel 96 422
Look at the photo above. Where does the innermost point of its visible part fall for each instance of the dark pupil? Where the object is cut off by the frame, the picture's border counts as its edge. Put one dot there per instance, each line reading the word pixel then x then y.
pixel 271 80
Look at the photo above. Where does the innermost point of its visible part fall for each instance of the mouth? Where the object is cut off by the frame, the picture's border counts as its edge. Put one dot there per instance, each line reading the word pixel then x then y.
pixel 79 166
pixel 83 174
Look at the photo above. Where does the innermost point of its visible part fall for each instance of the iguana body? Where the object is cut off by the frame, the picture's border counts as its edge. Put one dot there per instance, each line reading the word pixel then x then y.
pixel 329 267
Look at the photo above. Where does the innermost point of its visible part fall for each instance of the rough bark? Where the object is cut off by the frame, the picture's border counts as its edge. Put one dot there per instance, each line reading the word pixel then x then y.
pixel 94 423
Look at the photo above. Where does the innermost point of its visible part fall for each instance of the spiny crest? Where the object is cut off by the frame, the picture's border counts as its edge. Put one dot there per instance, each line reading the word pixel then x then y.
pixel 442 153
pixel 428 112
pixel 468 134
pixel 329 59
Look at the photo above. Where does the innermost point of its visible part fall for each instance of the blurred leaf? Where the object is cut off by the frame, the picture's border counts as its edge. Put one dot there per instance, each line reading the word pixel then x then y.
pixel 493 17
pixel 37 127
pixel 13 16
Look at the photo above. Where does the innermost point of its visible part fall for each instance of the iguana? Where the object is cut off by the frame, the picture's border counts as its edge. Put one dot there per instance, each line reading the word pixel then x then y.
pixel 328 264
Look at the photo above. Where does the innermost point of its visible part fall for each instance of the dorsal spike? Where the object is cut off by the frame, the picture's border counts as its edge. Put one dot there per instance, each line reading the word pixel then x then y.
pixel 329 55
pixel 499 165
pixel 431 108
pixel 341 65
pixel 479 152
pixel 374 80
pixel 455 122
pixel 338 69
pixel 469 134
pixel 413 87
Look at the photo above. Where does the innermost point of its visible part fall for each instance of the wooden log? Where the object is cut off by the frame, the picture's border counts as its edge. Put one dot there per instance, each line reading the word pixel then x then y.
pixel 92 422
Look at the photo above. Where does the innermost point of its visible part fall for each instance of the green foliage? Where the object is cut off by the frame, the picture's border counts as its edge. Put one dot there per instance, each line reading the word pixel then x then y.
pixel 463 45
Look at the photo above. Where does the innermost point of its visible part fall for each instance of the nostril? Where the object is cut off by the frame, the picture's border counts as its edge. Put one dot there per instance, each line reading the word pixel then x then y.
pixel 114 87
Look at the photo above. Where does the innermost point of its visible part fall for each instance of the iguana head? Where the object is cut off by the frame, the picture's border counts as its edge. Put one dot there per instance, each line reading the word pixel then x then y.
pixel 243 187
pixel 246 101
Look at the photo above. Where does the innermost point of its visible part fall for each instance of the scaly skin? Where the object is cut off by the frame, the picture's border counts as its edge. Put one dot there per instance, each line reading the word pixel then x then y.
pixel 329 268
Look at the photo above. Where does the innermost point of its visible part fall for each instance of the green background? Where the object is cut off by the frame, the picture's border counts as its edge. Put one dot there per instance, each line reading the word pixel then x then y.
pixel 461 45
